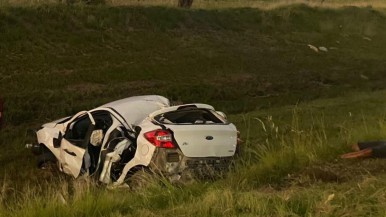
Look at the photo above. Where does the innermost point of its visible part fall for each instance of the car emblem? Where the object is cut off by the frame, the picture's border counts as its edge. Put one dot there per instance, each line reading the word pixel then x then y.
pixel 209 138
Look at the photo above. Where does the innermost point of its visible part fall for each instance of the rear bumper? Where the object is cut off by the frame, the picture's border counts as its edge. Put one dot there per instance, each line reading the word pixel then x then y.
pixel 173 164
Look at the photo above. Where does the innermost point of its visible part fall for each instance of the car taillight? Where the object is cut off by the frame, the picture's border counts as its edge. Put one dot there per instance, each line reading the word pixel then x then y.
pixel 160 138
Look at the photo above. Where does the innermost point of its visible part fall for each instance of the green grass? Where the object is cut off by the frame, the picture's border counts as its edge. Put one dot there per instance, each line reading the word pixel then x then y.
pixel 294 170
pixel 92 55
pixel 206 4
pixel 297 110
pixel 344 200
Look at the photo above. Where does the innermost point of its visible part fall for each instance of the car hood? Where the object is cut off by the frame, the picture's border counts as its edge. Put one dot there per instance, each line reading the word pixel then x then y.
pixel 52 124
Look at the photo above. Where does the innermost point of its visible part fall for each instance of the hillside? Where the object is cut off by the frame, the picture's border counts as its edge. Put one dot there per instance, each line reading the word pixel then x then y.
pixel 297 109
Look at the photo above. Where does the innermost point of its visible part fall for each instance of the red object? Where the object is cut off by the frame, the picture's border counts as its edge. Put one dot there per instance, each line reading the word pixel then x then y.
pixel 160 138
pixel 368 152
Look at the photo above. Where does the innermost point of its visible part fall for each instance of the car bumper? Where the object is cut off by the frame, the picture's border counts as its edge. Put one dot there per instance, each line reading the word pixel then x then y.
pixel 173 164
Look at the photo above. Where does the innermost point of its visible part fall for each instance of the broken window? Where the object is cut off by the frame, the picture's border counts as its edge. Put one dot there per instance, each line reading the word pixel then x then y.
pixel 188 116
pixel 77 131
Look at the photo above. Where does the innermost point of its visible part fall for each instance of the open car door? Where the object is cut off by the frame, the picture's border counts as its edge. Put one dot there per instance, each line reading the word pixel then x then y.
pixel 73 145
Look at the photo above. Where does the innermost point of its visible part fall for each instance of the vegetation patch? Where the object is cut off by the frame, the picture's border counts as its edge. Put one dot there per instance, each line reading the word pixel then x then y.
pixel 301 83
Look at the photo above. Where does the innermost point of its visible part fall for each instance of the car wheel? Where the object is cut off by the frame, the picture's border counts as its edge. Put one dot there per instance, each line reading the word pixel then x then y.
pixel 140 179
pixel 46 161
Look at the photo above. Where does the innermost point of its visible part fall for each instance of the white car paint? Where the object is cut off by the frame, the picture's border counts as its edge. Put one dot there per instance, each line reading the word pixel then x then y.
pixel 71 158
pixel 139 111
pixel 111 158
pixel 193 143
pixel 144 153
pixel 135 109
pixel 191 140
pixel 125 112
pixel 46 135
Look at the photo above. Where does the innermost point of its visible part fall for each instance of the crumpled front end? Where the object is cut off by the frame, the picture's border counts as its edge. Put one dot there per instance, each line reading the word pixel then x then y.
pixel 45 137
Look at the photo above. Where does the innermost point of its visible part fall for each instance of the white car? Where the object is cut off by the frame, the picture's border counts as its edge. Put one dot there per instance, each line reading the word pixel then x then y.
pixel 115 140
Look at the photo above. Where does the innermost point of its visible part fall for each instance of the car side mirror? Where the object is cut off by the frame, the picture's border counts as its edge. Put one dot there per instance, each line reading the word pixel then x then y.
pixel 57 141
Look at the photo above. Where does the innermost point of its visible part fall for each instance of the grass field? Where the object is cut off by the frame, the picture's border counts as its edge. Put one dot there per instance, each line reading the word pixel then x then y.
pixel 297 109
pixel 210 4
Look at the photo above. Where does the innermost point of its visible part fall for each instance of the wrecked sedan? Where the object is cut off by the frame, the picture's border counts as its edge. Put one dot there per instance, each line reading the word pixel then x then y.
pixel 114 141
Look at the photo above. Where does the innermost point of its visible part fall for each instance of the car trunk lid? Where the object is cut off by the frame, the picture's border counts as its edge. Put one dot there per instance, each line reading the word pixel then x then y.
pixel 214 140
pixel 199 130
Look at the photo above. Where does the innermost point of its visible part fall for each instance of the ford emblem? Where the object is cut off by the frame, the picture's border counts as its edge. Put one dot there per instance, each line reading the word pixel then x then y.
pixel 209 138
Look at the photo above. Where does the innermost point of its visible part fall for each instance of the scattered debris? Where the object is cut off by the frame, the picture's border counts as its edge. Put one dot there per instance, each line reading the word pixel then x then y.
pixel 364 77
pixel 312 47
pixel 316 49
pixel 329 198
pixel 137 135
pixel 324 49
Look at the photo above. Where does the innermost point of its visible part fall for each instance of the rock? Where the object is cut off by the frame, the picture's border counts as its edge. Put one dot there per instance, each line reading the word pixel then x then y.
pixel 324 49
pixel 312 47
pixel 364 77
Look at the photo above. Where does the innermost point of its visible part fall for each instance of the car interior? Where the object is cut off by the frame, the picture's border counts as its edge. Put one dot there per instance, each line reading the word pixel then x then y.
pixel 115 137
pixel 188 115
pixel 78 134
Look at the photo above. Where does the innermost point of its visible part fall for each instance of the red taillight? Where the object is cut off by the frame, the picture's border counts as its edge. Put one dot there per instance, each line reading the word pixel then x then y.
pixel 160 138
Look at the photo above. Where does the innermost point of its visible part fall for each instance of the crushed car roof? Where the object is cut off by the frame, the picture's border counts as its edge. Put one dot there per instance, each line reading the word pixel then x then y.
pixel 135 109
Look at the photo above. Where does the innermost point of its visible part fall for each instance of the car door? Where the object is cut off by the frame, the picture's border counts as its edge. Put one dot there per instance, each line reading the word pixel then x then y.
pixel 74 143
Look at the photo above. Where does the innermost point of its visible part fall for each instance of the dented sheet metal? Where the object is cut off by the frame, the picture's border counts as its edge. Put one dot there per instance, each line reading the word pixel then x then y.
pixel 115 140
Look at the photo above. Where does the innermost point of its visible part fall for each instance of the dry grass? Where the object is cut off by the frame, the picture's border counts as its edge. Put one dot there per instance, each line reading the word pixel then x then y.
pixel 218 4
pixel 290 164
pixel 268 5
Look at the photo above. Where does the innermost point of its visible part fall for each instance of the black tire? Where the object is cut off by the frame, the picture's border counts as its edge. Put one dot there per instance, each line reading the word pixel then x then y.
pixel 46 160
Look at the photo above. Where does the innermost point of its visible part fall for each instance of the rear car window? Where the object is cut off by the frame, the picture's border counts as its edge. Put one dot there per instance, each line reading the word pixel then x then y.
pixel 188 116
